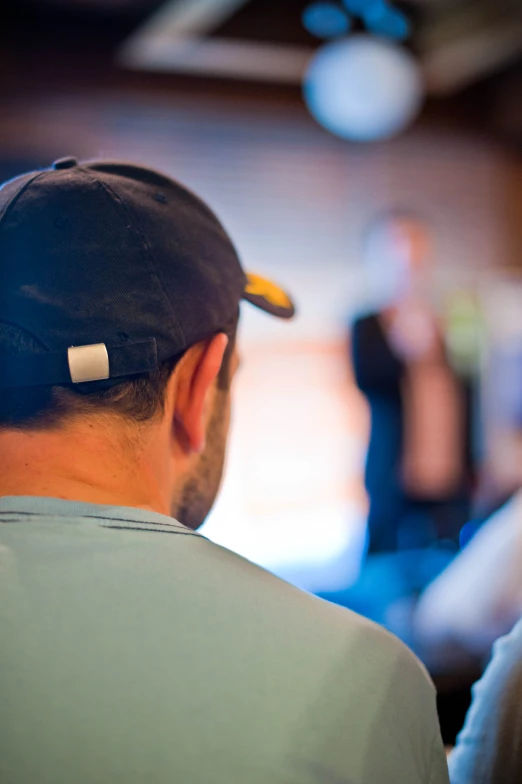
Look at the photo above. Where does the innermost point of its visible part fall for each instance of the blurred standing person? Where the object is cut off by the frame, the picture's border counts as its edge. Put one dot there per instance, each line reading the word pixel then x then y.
pixel 419 465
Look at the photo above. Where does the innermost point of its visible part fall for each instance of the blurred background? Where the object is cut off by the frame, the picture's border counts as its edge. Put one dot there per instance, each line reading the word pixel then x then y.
pixel 367 155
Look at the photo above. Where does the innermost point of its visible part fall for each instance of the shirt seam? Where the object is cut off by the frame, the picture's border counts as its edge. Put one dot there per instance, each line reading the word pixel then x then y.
pixel 176 532
pixel 98 517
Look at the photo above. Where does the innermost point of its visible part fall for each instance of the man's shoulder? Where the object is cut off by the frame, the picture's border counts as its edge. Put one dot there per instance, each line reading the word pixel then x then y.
pixel 506 660
pixel 222 583
pixel 326 623
pixel 370 682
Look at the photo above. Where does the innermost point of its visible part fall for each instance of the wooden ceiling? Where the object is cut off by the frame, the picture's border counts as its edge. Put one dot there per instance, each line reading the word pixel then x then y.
pixel 258 46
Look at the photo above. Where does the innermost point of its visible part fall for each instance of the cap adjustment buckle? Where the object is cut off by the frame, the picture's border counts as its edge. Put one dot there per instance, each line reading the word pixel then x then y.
pixel 88 363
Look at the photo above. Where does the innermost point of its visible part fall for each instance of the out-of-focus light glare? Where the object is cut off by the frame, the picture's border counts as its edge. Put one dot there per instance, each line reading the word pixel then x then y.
pixel 358 7
pixel 380 19
pixel 364 88
pixel 325 20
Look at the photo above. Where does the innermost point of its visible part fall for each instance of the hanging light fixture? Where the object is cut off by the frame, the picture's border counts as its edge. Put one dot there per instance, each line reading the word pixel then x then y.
pixel 366 87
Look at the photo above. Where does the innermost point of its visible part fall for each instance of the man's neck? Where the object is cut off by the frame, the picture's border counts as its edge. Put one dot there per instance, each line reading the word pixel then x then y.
pixel 78 466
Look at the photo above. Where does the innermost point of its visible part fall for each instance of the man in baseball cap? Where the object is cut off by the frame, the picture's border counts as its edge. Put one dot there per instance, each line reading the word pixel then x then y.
pixel 132 648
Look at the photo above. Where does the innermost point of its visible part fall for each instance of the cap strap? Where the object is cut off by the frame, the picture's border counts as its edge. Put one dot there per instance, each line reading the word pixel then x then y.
pixel 53 367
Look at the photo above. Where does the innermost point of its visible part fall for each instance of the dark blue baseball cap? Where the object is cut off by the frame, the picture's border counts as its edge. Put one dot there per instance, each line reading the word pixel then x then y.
pixel 113 268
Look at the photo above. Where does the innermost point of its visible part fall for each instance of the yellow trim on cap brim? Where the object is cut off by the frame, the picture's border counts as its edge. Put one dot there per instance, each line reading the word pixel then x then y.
pixel 258 286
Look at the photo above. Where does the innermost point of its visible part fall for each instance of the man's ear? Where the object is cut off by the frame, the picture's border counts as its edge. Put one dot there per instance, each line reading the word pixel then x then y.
pixel 196 374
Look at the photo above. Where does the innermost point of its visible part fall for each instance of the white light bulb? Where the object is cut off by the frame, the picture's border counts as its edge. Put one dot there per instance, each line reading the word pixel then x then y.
pixel 363 88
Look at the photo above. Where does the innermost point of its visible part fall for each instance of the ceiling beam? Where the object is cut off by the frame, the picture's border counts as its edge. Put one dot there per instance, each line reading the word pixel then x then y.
pixel 453 66
pixel 457 44
pixel 175 39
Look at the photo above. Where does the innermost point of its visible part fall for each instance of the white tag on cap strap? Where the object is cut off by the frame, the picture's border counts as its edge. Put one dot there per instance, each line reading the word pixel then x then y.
pixel 88 363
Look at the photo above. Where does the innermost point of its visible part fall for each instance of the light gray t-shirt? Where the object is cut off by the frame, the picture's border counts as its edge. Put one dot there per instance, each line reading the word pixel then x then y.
pixel 135 651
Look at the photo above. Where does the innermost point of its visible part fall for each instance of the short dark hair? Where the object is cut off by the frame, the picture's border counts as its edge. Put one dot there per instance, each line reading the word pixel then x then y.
pixel 138 399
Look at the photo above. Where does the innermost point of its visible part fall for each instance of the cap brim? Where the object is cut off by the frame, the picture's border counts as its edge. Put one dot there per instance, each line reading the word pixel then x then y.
pixel 267 296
